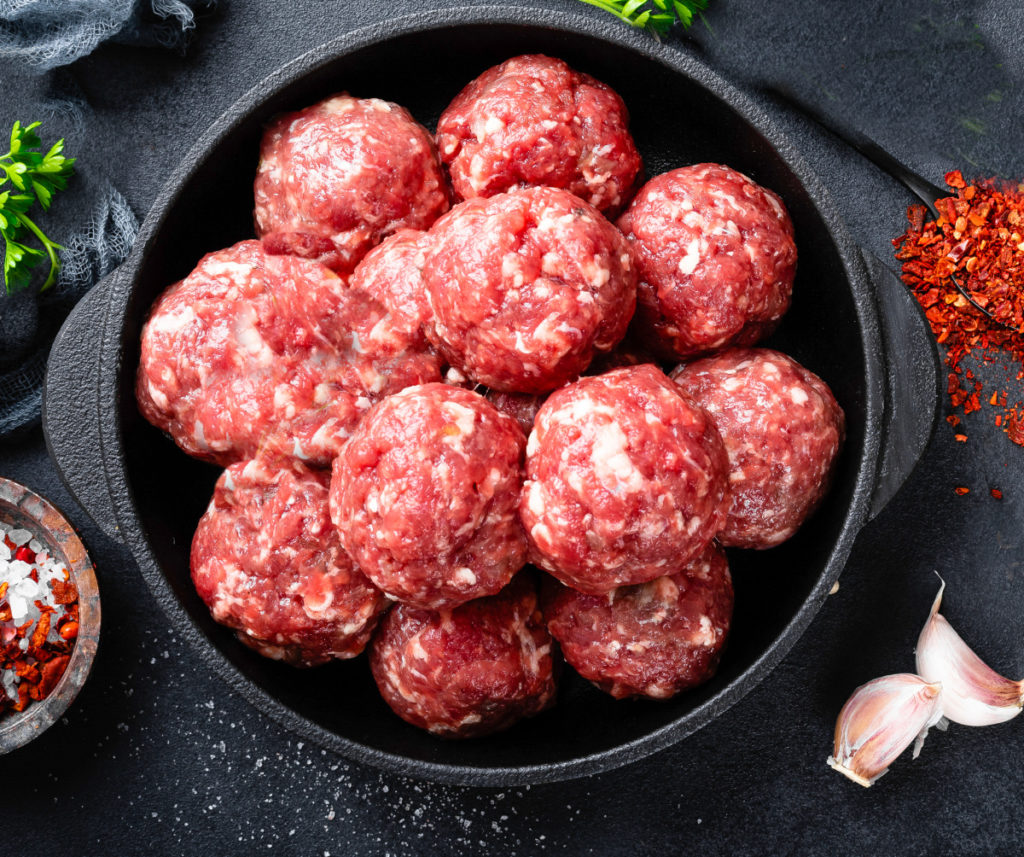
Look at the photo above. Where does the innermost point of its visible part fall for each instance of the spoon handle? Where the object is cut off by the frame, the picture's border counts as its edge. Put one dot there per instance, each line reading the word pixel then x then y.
pixel 919 186
pixel 915 183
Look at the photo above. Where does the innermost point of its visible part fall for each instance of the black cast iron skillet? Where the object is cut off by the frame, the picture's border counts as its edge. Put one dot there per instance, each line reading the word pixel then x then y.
pixel 143 491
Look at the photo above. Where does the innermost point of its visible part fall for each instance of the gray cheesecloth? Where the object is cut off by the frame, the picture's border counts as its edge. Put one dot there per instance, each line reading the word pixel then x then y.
pixel 37 36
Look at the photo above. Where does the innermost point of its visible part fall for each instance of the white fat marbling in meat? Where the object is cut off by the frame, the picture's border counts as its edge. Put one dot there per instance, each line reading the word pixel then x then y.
pixel 652 639
pixel 782 429
pixel 257 352
pixel 468 671
pixel 626 480
pixel 533 121
pixel 268 563
pixel 336 178
pixel 425 496
pixel 716 259
pixel 526 287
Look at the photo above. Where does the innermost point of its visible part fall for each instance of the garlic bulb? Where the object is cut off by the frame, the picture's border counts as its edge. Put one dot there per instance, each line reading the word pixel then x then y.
pixel 973 694
pixel 878 723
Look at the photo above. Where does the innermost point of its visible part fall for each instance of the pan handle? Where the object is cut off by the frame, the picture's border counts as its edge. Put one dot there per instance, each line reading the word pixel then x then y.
pixel 71 407
pixel 71 400
pixel 912 385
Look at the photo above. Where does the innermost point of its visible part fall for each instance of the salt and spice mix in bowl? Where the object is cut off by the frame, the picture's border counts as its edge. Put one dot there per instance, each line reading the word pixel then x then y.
pixel 49 615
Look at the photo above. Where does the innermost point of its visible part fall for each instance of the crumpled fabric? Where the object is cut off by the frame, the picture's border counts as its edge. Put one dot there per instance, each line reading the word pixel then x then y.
pixel 44 34
pixel 88 256
pixel 37 36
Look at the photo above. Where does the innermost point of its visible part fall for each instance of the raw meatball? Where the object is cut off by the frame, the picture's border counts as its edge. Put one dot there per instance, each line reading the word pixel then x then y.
pixel 522 407
pixel 626 481
pixel 526 287
pixel 533 121
pixel 268 562
pixel 337 177
pixel 425 492
pixel 257 352
pixel 782 428
pixel 716 258
pixel 653 639
pixel 469 671
pixel 392 273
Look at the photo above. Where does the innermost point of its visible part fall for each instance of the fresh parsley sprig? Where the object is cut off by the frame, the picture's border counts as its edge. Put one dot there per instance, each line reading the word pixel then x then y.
pixel 34 176
pixel 657 20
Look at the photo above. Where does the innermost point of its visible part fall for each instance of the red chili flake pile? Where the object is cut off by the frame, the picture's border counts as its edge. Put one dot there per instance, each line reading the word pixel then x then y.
pixel 38 620
pixel 979 238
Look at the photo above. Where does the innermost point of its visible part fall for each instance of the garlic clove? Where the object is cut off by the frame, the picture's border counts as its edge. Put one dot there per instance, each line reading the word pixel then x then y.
pixel 879 721
pixel 973 694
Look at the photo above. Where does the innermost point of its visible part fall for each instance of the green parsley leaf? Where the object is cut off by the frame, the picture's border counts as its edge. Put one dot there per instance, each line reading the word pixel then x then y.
pixel 657 21
pixel 34 176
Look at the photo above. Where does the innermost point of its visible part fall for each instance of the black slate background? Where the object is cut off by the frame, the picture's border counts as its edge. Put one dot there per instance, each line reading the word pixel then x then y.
pixel 158 757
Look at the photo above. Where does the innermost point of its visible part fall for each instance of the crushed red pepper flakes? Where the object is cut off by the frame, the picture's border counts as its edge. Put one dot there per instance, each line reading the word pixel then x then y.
pixel 979 238
pixel 961 490
pixel 996 493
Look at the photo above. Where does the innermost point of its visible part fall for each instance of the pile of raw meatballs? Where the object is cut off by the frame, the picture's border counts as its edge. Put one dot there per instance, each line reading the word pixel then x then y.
pixel 440 361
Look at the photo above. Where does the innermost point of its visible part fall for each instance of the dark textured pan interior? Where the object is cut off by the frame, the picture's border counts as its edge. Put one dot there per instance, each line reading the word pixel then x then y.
pixel 676 121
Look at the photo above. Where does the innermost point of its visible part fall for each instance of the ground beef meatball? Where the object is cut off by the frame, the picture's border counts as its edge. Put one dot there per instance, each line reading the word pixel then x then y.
pixel 425 492
pixel 257 352
pixel 337 177
pixel 716 258
pixel 392 273
pixel 267 561
pixel 653 639
pixel 526 287
pixel 626 481
pixel 782 428
pixel 522 407
pixel 472 670
pixel 533 121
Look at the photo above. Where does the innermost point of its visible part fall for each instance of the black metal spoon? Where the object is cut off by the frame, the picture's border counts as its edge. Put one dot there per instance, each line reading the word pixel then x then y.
pixel 923 189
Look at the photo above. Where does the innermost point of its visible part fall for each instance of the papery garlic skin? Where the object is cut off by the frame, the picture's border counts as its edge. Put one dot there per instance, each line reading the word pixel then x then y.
pixel 879 721
pixel 973 694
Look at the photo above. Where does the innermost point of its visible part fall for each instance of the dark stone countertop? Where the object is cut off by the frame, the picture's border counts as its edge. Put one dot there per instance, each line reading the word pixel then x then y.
pixel 158 756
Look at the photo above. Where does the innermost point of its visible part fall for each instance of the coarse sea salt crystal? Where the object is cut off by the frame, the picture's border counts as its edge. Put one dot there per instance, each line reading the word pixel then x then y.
pixel 35 545
pixel 17 570
pixel 50 572
pixel 19 537
pixel 5 552
pixel 26 588
pixel 18 605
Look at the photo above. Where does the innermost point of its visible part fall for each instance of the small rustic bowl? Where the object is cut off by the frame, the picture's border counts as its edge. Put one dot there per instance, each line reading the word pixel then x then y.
pixel 23 508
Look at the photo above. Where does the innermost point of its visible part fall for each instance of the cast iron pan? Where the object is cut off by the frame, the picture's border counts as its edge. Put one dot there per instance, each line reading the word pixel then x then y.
pixel 145 492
